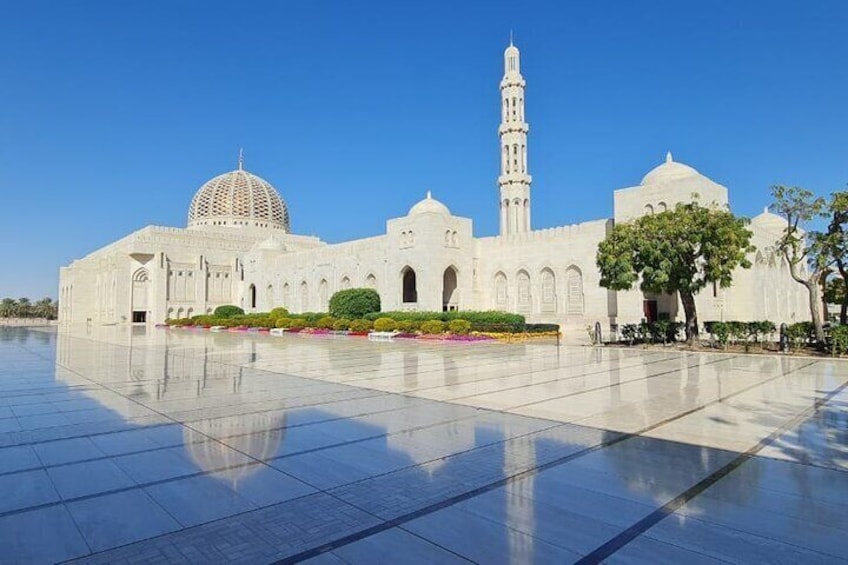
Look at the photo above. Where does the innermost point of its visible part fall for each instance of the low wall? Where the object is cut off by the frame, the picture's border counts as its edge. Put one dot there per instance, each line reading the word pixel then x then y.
pixel 23 322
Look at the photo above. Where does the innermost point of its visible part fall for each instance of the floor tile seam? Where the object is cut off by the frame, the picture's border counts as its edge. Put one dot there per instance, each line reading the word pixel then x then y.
pixel 435 544
pixel 586 391
pixel 675 417
pixel 747 532
pixel 810 464
pixel 697 551
pixel 506 376
pixel 137 486
pixel 451 501
pixel 771 354
pixel 613 545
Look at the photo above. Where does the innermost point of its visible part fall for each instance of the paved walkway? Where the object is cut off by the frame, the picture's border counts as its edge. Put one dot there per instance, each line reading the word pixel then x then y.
pixel 182 446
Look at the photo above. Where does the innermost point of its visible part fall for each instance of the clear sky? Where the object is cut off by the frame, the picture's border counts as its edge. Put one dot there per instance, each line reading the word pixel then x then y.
pixel 112 114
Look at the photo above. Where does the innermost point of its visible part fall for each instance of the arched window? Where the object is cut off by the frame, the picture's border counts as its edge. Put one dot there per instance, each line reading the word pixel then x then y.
pixel 286 299
pixel 304 297
pixel 251 296
pixel 661 207
pixel 410 289
pixel 501 298
pixel 371 281
pixel 324 294
pixel 447 237
pixel 453 239
pixel 449 290
pixel 574 289
pixel 345 282
pixel 523 288
pixel 649 209
pixel 269 296
pixel 548 290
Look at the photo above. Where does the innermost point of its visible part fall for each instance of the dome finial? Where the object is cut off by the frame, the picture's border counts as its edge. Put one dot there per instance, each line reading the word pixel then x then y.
pixel 241 159
pixel 429 195
pixel 668 158
pixel 510 39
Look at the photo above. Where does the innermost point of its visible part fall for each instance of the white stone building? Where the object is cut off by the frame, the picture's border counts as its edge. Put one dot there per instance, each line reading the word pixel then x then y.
pixel 238 249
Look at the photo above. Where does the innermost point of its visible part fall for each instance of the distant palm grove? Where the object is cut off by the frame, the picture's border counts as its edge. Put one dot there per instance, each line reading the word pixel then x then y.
pixel 25 308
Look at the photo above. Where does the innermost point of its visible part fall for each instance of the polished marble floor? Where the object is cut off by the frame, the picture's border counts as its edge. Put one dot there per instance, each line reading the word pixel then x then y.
pixel 169 446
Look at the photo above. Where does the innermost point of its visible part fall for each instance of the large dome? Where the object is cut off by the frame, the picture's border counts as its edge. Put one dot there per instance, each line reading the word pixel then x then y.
pixel 238 199
pixel 429 206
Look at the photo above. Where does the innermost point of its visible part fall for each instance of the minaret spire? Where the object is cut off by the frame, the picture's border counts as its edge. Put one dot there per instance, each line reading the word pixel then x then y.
pixel 241 159
pixel 514 180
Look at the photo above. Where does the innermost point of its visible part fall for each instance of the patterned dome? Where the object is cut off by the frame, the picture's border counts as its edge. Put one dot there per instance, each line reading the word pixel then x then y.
pixel 238 199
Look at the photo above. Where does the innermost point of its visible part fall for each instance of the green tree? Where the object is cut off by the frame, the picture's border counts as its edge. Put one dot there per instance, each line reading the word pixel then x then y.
pixel 808 253
pixel 678 251
pixel 7 307
pixel 836 245
pixel 23 308
pixel 45 308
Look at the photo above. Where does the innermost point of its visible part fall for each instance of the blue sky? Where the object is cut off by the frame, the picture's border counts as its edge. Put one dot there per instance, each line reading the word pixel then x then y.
pixel 112 114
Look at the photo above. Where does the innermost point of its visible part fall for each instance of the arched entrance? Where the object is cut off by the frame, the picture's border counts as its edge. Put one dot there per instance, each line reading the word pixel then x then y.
pixel 450 295
pixel 410 288
pixel 140 299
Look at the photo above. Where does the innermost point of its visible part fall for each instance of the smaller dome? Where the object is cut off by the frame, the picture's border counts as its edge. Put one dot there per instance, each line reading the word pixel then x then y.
pixel 768 221
pixel 429 206
pixel 669 171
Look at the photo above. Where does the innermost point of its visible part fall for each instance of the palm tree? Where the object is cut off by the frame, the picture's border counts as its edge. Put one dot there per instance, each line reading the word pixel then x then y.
pixel 7 308
pixel 45 308
pixel 24 308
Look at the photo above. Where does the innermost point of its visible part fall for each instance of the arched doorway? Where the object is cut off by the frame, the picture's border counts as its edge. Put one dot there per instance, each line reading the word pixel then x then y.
pixel 410 288
pixel 251 296
pixel 450 295
pixel 140 299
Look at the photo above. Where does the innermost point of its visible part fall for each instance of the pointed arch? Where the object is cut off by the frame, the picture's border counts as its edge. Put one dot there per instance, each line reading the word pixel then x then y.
pixel 269 296
pixel 345 284
pixel 409 285
pixel 547 289
pixel 574 291
pixel 522 286
pixel 304 296
pixel 450 293
pixel 324 295
pixel 501 295
pixel 661 207
pixel 251 296
pixel 371 281
pixel 649 209
pixel 286 296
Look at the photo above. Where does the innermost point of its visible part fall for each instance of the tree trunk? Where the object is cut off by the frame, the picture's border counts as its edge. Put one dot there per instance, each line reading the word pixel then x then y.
pixel 815 310
pixel 688 300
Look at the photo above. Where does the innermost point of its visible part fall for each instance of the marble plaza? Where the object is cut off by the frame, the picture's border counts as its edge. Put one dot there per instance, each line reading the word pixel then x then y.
pixel 133 444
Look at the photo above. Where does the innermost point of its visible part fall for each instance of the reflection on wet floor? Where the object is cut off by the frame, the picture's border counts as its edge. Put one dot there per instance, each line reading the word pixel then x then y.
pixel 183 445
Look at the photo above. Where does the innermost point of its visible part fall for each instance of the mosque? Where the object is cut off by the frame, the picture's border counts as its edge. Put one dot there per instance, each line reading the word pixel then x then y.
pixel 238 249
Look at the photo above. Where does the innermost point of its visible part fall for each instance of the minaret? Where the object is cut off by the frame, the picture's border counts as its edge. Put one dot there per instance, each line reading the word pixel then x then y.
pixel 514 180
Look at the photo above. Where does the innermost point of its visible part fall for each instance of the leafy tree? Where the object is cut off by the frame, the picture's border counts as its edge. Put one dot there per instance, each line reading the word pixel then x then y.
pixel 677 251
pixel 836 245
pixel 810 254
pixel 7 307
pixel 45 308
pixel 354 303
pixel 24 308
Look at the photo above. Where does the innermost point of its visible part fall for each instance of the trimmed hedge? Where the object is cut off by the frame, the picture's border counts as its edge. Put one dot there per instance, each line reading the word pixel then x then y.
pixel 459 327
pixel 385 325
pixel 360 325
pixel 354 303
pixel 475 317
pixel 433 327
pixel 227 311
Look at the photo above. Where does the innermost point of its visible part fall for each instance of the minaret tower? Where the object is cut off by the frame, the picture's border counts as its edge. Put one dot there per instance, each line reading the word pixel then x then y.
pixel 514 180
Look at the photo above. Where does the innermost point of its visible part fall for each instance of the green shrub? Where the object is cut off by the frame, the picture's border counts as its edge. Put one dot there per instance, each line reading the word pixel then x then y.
pixel 475 317
pixel 361 325
pixel 283 322
pixel 630 332
pixel 459 327
pixel 721 331
pixel 277 313
pixel 297 323
pixel 325 323
pixel 799 333
pixel 433 327
pixel 406 326
pixel 839 339
pixel 384 325
pixel 354 303
pixel 228 311
pixel 341 324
